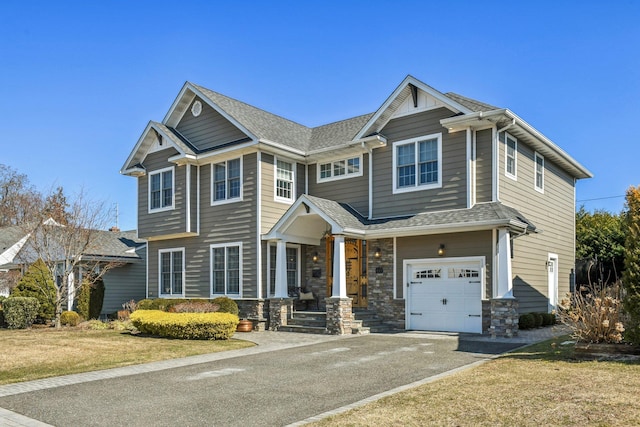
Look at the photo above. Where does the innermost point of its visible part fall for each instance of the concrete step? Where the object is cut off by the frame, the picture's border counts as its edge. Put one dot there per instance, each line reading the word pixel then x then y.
pixel 296 321
pixel 303 329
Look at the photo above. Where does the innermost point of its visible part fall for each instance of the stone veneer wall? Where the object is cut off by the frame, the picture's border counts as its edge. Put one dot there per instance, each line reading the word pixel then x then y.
pixel 380 284
pixel 486 316
pixel 339 316
pixel 279 309
pixel 254 310
pixel 318 285
pixel 504 317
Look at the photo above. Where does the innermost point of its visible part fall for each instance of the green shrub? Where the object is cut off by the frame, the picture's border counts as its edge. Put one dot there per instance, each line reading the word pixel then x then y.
pixel 526 321
pixel 1 318
pixel 2 298
pixel 90 299
pixel 203 326
pixel 38 283
pixel 69 318
pixel 539 318
pixel 195 307
pixel 549 319
pixel 162 304
pixel 97 325
pixel 20 312
pixel 121 325
pixel 227 305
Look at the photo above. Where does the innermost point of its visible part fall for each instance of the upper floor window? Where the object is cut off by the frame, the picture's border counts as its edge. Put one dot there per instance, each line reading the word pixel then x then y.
pixel 284 182
pixel 338 169
pixel 161 185
pixel 171 266
pixel 539 172
pixel 417 163
pixel 510 156
pixel 227 181
pixel 226 269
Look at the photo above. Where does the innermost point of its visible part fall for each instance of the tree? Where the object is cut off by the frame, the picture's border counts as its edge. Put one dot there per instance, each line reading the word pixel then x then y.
pixel 72 249
pixel 631 275
pixel 600 238
pixel 37 282
pixel 56 206
pixel 19 201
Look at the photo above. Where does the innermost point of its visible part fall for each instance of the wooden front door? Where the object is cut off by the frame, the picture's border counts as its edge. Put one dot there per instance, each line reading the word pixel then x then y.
pixel 356 266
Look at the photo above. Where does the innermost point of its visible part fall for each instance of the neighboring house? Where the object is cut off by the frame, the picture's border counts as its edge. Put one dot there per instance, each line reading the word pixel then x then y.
pixel 122 283
pixel 436 212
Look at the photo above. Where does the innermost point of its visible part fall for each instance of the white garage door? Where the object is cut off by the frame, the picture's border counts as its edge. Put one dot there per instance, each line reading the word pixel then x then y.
pixel 445 296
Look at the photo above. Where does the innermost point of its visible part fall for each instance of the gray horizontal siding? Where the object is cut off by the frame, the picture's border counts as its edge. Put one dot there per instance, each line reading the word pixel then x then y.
pixel 162 223
pixel 125 283
pixel 232 222
pixel 354 191
pixel 271 209
pixel 472 244
pixel 483 166
pixel 554 213
pixel 209 130
pixel 452 195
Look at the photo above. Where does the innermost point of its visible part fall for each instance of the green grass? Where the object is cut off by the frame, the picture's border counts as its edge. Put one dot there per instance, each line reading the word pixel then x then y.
pixel 540 385
pixel 42 353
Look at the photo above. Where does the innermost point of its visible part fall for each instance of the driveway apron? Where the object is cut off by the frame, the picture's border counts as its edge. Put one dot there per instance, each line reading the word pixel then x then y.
pixel 267 389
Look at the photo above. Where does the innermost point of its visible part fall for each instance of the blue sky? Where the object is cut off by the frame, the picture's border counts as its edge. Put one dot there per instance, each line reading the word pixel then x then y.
pixel 80 80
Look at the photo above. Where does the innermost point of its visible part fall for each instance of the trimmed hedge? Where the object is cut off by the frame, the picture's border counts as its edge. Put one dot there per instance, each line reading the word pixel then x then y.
pixel 20 312
pixel 226 304
pixel 38 283
pixel 193 326
pixel 91 299
pixel 526 321
pixel 69 318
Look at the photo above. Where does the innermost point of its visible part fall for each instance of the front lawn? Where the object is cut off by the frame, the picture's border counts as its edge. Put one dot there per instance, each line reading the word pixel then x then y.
pixel 41 353
pixel 540 385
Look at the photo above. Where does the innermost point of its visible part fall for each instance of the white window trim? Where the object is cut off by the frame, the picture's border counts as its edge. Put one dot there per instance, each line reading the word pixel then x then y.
pixel 272 247
pixel 535 172
pixel 345 176
pixel 227 200
pixel 225 245
pixel 513 176
pixel 184 270
pixel 173 190
pixel 275 181
pixel 416 187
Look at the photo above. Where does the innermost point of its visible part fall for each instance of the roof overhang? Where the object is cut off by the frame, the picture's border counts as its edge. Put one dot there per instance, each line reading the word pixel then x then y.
pixel 355 147
pixel 520 129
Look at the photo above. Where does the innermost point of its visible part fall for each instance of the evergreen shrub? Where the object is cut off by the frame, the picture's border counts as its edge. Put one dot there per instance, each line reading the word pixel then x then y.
pixel 69 318
pixel 526 321
pixel 38 283
pixel 227 305
pixel 91 299
pixel 20 312
pixel 200 326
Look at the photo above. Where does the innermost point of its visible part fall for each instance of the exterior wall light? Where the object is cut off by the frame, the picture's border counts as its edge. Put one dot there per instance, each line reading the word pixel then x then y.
pixel 315 257
pixel 377 253
pixel 441 250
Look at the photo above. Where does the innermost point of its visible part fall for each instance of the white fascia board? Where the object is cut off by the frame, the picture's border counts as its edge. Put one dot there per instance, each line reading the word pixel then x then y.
pixel 127 163
pixel 440 229
pixel 289 151
pixel 453 105
pixel 289 216
pixel 176 102
pixel 128 170
pixel 9 255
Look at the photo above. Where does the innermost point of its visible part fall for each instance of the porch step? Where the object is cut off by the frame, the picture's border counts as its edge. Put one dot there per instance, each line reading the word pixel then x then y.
pixel 371 322
pixel 303 329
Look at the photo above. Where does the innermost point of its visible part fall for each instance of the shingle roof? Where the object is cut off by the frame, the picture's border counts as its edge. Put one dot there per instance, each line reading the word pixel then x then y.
pixel 494 213
pixel 470 103
pixel 335 134
pixel 261 123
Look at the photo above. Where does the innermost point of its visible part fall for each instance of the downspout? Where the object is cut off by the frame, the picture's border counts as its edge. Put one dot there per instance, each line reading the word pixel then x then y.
pixel 496 159
pixel 370 151
pixel 470 186
pixel 259 225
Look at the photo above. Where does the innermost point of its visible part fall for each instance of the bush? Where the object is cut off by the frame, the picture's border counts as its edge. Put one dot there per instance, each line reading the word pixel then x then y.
pixel 227 305
pixel 162 304
pixel 20 312
pixel 549 319
pixel 539 318
pixel 595 316
pixel 204 326
pixel 1 318
pixel 526 321
pixel 195 307
pixel 90 299
pixel 69 318
pixel 37 283
pixel 96 325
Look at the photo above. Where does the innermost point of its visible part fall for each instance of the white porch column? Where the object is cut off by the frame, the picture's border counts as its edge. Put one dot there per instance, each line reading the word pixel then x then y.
pixel 339 289
pixel 281 270
pixel 505 283
pixel 70 291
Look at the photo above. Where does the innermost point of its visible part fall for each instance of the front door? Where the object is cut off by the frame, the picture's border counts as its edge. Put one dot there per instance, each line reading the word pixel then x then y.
pixel 356 266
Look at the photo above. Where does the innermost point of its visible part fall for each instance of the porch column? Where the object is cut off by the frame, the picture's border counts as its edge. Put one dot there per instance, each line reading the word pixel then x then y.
pixel 339 289
pixel 281 270
pixel 505 283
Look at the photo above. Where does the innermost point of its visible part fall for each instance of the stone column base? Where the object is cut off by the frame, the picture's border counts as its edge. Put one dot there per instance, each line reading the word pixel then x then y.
pixel 504 317
pixel 278 312
pixel 339 316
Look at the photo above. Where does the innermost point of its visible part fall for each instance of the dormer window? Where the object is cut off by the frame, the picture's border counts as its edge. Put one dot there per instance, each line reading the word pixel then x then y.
pixel 339 169
pixel 161 184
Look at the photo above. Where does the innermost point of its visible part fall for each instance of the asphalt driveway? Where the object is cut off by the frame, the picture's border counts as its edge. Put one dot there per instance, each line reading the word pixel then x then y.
pixel 273 388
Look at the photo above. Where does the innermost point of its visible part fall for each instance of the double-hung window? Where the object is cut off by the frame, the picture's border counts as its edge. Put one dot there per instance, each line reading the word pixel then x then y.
pixel 293 270
pixel 539 172
pixel 227 181
pixel 226 269
pixel 161 184
pixel 417 163
pixel 284 182
pixel 171 272
pixel 338 169
pixel 511 148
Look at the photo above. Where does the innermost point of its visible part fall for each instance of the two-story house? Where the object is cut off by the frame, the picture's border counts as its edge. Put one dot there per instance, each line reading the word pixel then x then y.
pixel 436 212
